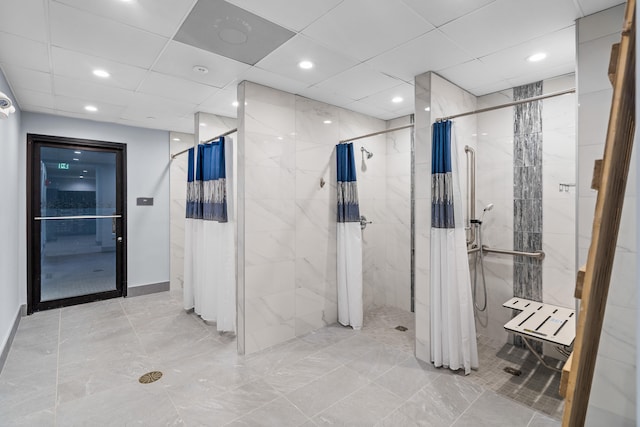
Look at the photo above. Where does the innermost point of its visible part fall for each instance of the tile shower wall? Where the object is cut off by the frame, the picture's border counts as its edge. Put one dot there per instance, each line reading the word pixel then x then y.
pixel 396 291
pixel 613 393
pixel 435 97
pixel 287 246
pixel 495 184
pixel 214 125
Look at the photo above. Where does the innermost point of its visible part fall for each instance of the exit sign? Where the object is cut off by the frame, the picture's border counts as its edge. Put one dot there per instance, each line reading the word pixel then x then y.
pixel 63 165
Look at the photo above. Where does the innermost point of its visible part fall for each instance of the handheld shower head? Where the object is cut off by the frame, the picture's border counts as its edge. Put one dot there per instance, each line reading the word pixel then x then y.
pixel 369 153
pixel 485 210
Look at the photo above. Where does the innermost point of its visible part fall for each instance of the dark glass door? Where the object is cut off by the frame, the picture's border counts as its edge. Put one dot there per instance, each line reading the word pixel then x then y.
pixel 76 221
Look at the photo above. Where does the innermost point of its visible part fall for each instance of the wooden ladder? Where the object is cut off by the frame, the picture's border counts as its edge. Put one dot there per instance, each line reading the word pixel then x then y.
pixel 610 179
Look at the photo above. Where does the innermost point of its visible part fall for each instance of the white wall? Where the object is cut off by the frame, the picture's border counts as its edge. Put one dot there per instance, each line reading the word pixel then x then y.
pixel 11 257
pixel 441 98
pixel 147 176
pixel 287 221
pixel 613 393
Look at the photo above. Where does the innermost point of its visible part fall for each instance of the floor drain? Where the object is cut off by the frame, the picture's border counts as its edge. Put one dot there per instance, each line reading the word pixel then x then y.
pixel 401 328
pixel 150 377
pixel 513 371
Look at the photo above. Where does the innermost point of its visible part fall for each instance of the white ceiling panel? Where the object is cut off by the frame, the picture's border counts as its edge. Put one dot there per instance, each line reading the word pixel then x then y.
pixel 76 30
pixel 21 52
pixel 324 95
pixel 558 70
pixel 75 107
pixel 91 92
pixel 607 21
pixel 23 78
pixel 144 105
pixel 357 82
pixel 37 109
pixel 382 100
pixel 221 103
pixel 439 13
pixel 267 78
pixel 175 88
pixel 168 123
pixel 506 23
pixel 30 97
pixel 80 66
pixel 284 61
pixel 471 75
pixel 179 59
pixel 430 52
pixel 559 46
pixel 490 88
pixel 367 109
pixel 359 30
pixel 592 6
pixel 157 16
pixel 27 19
pixel 292 14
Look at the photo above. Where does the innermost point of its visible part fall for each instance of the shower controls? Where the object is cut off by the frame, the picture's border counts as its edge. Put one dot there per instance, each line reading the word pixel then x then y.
pixel 364 222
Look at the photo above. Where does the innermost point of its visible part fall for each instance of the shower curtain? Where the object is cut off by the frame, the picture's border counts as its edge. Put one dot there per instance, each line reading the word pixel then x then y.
pixel 209 258
pixel 453 332
pixel 350 311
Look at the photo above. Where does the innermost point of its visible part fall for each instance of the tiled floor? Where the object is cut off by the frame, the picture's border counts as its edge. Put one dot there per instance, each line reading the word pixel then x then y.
pixel 80 365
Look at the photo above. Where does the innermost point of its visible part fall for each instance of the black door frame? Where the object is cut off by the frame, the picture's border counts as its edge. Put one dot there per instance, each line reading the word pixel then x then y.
pixel 34 142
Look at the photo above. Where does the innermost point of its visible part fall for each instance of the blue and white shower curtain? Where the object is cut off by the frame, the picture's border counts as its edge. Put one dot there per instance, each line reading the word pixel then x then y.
pixel 209 259
pixel 453 331
pixel 349 238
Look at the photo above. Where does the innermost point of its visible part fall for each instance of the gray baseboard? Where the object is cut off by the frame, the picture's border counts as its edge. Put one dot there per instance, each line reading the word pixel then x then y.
pixel 5 351
pixel 151 288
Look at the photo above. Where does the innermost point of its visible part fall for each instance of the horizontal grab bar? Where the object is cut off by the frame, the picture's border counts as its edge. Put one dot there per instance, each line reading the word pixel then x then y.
pixel 537 254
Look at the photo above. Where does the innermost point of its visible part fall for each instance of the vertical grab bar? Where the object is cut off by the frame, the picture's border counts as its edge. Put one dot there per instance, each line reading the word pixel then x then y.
pixel 471 193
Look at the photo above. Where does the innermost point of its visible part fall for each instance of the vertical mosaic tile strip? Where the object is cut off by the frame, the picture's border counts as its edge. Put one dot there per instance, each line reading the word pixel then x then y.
pixel 527 194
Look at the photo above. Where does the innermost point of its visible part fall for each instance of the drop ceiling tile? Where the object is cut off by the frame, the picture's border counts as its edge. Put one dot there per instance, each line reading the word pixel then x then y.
pixel 179 59
pixel 230 31
pixel 559 46
pixel 21 52
pixel 358 82
pixel 368 110
pixel 441 12
pixel 26 19
pixel 592 6
pixel 24 78
pixel 292 14
pixel 157 16
pixel 471 74
pixel 221 103
pixel 506 23
pixel 80 66
pixel 170 87
pixel 37 109
pixel 429 52
pixel 143 105
pixel 491 88
pixel 30 97
pixel 323 95
pixel 272 80
pixel 382 100
pixel 284 61
pixel 547 73
pixel 173 124
pixel 76 106
pixel 76 30
pixel 362 31
pixel 91 92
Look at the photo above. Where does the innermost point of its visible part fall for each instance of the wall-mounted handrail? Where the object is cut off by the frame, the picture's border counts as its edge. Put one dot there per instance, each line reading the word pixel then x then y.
pixel 537 254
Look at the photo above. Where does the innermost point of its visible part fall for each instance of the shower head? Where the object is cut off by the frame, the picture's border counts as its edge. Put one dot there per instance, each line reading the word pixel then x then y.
pixel 485 210
pixel 369 153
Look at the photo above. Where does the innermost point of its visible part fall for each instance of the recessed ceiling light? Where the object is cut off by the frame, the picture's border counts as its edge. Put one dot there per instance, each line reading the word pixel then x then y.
pixel 85 171
pixel 203 124
pixel 91 108
pixel 327 122
pixel 200 69
pixel 78 152
pixel 235 103
pixel 484 134
pixel 427 108
pixel 280 138
pixel 101 73
pixel 537 57
pixel 81 176
pixel 305 65
pixel 176 139
pixel 397 100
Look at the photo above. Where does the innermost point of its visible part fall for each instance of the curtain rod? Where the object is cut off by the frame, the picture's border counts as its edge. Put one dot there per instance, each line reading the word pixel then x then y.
pixel 509 104
pixel 229 132
pixel 376 133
